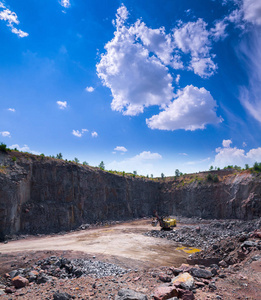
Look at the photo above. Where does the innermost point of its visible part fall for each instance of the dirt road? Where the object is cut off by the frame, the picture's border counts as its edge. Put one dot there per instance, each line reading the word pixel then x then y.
pixel 123 241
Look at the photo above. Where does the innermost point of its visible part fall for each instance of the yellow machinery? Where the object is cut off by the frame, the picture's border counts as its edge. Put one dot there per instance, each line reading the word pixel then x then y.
pixel 166 223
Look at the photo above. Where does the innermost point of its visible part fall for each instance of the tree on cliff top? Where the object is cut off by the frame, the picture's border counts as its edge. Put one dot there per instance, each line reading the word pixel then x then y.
pixel 102 165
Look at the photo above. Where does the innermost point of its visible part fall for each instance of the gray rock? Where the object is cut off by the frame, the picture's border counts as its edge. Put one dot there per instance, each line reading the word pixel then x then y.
pixel 126 294
pixel 201 273
pixel 61 296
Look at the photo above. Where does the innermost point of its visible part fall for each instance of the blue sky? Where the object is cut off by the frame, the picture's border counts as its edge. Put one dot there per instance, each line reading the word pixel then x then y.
pixel 148 86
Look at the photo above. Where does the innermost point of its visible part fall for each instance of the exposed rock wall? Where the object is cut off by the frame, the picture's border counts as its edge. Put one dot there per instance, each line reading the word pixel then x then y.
pixel 236 196
pixel 42 195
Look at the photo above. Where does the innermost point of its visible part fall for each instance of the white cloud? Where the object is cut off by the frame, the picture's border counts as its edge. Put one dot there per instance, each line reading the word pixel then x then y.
pixel 62 104
pixel 244 144
pixel 252 11
pixel 158 42
pixel 219 31
pixel 19 32
pixel 5 133
pixel 204 67
pixel 121 149
pixel 94 134
pixel 136 78
pixel 226 143
pixel 193 38
pixel 250 56
pixel 79 133
pixel 24 148
pixel 177 79
pixel 136 66
pixel 193 109
pixel 185 154
pixel 144 163
pixel 89 89
pixel 147 155
pixel 11 18
pixel 65 3
pixel 234 156
pixel 11 109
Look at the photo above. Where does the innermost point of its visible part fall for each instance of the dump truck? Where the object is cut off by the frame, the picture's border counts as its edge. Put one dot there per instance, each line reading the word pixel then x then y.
pixel 166 223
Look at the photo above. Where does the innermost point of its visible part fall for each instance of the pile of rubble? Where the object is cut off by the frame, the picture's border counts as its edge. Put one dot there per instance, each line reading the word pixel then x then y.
pixel 62 268
pixel 208 234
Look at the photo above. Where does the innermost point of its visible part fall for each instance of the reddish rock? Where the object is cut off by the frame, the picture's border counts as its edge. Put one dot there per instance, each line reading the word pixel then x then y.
pixel 185 295
pixel 9 290
pixel 19 282
pixel 164 277
pixel 165 292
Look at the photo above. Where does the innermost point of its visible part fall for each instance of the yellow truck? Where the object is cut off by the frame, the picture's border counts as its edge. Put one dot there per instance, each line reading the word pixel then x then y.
pixel 166 223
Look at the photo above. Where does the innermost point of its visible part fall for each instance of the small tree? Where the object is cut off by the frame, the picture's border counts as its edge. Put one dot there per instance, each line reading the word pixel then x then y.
pixel 162 175
pixel 76 160
pixel 102 165
pixel 177 173
pixel 151 175
pixel 85 163
pixel 211 168
pixel 59 156
pixel 3 147
pixel 246 166
pixel 134 173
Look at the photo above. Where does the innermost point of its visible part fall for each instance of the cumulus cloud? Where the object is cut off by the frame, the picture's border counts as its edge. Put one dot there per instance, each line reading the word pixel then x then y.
pixel 193 38
pixel 226 143
pixel 11 109
pixel 79 133
pixel 89 89
pixel 192 109
pixel 120 149
pixel 94 134
pixel 65 3
pixel 24 148
pixel 219 31
pixel 137 62
pixel 11 18
pixel 136 78
pixel 233 156
pixel 5 133
pixel 62 104
pixel 144 163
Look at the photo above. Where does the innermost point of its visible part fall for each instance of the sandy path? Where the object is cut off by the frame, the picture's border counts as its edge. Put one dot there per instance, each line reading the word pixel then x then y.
pixel 124 241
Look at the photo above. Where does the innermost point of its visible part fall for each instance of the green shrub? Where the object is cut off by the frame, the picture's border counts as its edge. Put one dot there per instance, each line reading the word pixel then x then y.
pixel 209 177
pixel 215 178
pixel 3 147
pixel 14 158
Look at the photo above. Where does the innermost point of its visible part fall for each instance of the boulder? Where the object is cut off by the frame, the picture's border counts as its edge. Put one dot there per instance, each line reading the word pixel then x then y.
pixel 201 273
pixel 19 282
pixel 127 294
pixel 165 292
pixel 184 279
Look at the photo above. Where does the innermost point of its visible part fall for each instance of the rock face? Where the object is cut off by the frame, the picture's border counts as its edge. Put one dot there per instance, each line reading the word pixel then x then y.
pixel 43 195
pixel 235 196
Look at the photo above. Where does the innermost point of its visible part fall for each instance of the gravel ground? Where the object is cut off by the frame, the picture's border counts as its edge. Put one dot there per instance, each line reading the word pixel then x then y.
pixel 72 275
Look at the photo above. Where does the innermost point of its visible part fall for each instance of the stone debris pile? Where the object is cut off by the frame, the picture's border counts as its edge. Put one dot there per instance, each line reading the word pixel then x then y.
pixel 207 234
pixel 62 268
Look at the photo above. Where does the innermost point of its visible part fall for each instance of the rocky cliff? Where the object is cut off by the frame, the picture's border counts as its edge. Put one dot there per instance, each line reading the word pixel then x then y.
pixel 43 195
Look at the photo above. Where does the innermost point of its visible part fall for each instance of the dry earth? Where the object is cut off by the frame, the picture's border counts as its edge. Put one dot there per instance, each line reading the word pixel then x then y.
pixel 124 245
